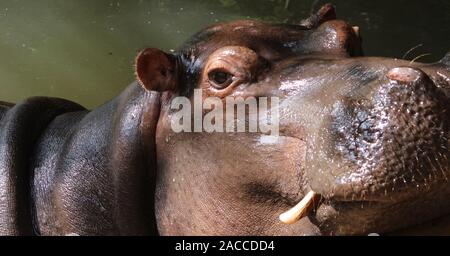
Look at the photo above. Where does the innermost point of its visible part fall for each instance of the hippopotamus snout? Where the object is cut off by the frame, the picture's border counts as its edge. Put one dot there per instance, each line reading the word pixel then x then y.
pixel 384 142
pixel 370 146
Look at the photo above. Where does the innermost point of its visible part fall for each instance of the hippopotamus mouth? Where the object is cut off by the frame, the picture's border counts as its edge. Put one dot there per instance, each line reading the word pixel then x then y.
pixel 362 143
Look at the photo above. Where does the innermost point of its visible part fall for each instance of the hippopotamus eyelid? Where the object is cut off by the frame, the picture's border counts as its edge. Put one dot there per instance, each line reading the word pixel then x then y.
pixel 220 79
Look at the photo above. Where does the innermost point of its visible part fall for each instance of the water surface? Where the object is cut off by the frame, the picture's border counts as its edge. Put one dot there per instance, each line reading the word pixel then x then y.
pixel 84 50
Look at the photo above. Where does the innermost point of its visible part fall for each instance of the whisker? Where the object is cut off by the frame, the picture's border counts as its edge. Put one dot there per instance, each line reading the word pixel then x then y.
pixel 418 57
pixel 313 6
pixel 442 168
pixel 419 150
pixel 434 170
pixel 286 4
pixel 410 50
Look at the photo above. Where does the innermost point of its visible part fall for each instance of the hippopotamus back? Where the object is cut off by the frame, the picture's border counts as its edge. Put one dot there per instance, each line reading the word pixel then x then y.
pixel 64 169
pixel 20 127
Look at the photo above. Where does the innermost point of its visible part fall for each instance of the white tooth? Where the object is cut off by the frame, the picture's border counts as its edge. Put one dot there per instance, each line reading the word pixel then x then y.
pixel 301 209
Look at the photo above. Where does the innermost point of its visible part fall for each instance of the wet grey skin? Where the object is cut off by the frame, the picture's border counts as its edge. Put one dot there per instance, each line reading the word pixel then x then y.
pixel 370 135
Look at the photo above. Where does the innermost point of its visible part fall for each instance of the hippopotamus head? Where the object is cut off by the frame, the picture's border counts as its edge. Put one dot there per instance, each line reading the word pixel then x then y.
pixel 248 128
pixel 369 136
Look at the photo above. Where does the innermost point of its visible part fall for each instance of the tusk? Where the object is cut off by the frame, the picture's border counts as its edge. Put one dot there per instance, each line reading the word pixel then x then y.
pixel 356 30
pixel 301 210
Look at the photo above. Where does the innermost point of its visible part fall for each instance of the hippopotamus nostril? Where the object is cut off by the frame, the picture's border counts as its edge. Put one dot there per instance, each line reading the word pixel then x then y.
pixel 405 74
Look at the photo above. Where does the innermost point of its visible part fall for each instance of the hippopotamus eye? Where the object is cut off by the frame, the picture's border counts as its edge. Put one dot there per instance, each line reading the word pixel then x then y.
pixel 228 68
pixel 220 79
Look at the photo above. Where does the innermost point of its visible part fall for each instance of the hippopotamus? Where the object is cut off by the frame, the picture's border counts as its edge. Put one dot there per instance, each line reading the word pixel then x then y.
pixel 364 139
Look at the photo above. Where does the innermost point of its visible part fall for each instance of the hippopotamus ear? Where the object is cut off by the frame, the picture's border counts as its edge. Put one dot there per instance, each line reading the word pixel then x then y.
pixel 156 70
pixel 325 13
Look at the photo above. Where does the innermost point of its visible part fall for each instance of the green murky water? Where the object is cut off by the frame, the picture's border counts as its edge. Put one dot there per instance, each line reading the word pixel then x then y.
pixel 84 50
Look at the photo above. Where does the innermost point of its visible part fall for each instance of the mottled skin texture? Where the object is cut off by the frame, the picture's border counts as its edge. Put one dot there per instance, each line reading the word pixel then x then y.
pixel 369 134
